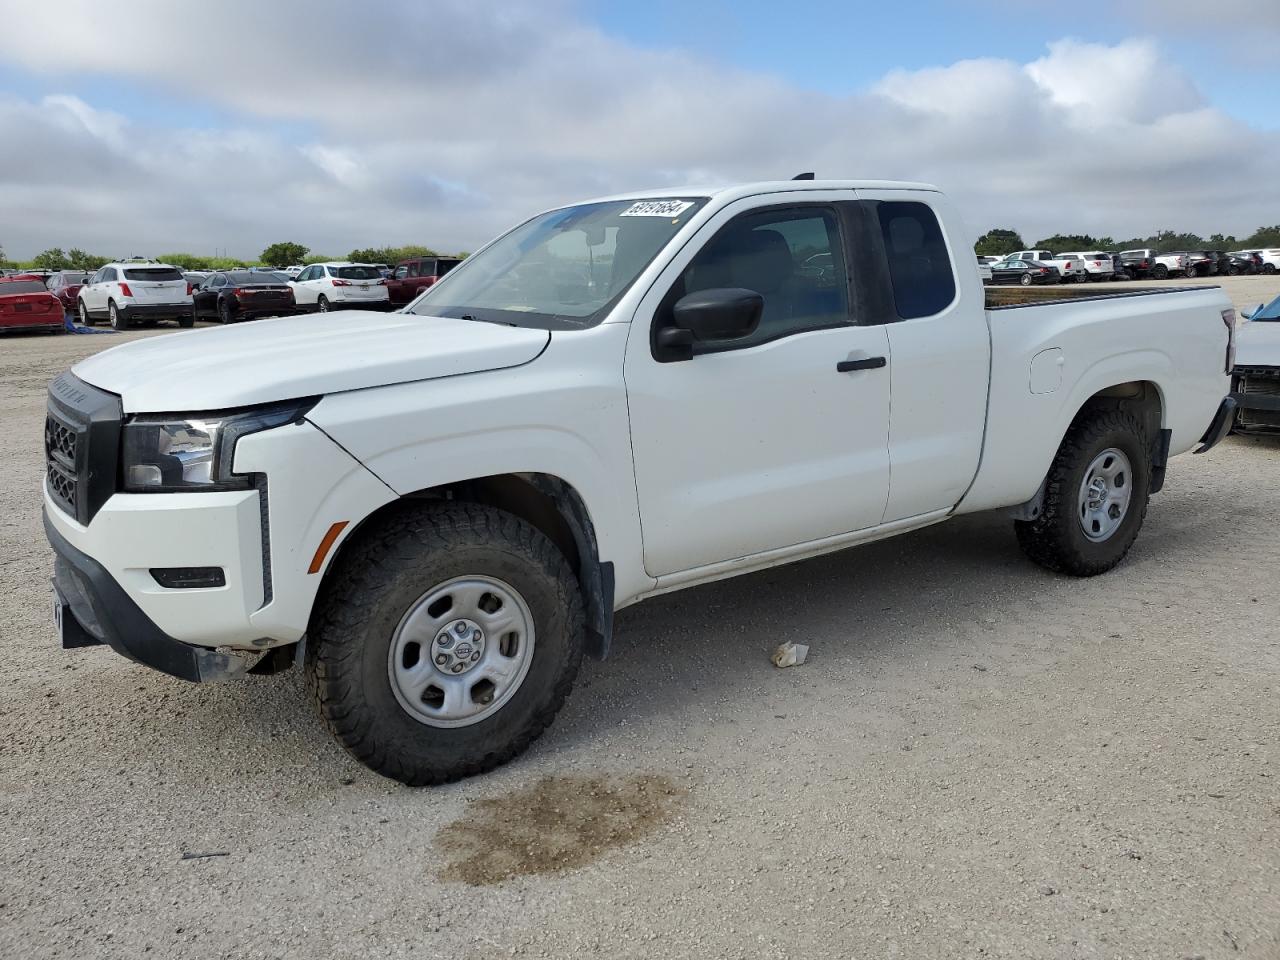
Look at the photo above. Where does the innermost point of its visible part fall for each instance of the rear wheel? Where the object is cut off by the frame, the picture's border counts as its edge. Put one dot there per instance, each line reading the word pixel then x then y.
pixel 1096 496
pixel 83 311
pixel 224 312
pixel 1161 272
pixel 1025 280
pixel 322 304
pixel 119 321
pixel 446 641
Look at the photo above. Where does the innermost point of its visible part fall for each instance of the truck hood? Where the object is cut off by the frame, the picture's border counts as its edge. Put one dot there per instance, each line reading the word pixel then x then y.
pixel 1258 344
pixel 282 359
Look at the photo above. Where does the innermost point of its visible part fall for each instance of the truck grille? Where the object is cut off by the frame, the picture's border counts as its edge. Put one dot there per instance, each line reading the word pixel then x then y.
pixel 1258 382
pixel 81 443
pixel 60 444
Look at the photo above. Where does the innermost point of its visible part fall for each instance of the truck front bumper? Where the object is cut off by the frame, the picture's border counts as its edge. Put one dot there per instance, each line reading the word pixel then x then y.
pixel 93 608
pixel 1220 426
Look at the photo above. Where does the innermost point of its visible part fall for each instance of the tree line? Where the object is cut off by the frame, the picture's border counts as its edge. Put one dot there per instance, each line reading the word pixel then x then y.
pixel 278 255
pixel 1000 241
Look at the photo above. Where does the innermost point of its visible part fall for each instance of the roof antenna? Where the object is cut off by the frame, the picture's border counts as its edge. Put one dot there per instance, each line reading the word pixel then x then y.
pixel 803 176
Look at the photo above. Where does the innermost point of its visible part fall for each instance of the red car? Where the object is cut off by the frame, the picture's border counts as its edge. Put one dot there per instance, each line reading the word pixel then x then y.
pixel 65 284
pixel 413 276
pixel 27 305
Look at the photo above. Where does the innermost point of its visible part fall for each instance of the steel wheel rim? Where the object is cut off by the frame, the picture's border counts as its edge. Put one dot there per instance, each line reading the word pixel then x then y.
pixel 461 651
pixel 1105 494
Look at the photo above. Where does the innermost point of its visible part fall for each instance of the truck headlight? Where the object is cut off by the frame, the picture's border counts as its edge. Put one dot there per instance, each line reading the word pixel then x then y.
pixel 165 453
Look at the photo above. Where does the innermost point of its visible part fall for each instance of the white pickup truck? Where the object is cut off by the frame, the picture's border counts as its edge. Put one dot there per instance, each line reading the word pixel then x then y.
pixel 437 511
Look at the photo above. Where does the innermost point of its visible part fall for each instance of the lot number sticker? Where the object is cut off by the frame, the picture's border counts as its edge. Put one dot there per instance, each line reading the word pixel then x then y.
pixel 656 208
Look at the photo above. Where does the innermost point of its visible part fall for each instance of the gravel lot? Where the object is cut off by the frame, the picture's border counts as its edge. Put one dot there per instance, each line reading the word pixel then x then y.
pixel 979 759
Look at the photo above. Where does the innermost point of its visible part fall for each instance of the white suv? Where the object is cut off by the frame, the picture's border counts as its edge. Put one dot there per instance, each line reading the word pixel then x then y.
pixel 1097 265
pixel 1270 258
pixel 132 291
pixel 323 286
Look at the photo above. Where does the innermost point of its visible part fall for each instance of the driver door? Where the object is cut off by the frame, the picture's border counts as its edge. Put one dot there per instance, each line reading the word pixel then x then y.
pixel 776 439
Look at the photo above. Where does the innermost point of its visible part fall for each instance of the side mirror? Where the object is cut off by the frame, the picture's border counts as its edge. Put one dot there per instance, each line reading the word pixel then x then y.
pixel 1248 314
pixel 722 313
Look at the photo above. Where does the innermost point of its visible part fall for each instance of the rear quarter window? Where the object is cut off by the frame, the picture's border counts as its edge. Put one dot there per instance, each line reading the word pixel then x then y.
pixel 919 265
pixel 154 274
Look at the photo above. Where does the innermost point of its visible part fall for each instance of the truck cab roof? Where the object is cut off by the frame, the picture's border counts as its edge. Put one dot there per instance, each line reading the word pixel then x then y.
pixel 729 192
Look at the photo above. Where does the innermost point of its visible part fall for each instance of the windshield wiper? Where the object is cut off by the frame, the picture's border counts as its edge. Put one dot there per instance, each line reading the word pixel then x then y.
pixel 471 316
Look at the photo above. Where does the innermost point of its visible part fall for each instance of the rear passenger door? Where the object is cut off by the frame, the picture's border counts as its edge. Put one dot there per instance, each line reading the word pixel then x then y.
pixel 935 318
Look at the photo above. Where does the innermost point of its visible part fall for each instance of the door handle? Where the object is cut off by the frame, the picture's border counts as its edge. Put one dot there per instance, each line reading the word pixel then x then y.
pixel 866 363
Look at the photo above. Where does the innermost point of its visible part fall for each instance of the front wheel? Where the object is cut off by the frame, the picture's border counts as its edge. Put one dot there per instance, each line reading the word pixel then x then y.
pixel 1268 268
pixel 1095 498
pixel 446 641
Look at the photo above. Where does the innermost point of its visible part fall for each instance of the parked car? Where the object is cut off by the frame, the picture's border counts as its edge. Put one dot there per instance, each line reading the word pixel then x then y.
pixel 196 277
pixel 65 285
pixel 26 304
pixel 1200 263
pixel 1168 264
pixel 413 276
pixel 1256 378
pixel 1025 272
pixel 293 271
pixel 127 293
pixel 324 286
pixel 1221 260
pixel 984 268
pixel 1269 258
pixel 1242 264
pixel 457 493
pixel 1097 264
pixel 1136 264
pixel 1070 265
pixel 242 295
pixel 1041 255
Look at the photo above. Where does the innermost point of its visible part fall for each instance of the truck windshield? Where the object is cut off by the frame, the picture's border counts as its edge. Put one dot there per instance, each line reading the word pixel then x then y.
pixel 562 270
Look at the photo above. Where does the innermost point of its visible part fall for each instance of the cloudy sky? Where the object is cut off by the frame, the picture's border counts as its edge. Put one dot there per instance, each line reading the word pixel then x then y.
pixel 138 128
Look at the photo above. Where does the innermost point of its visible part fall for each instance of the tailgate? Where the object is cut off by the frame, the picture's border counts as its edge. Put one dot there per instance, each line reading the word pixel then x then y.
pixel 156 284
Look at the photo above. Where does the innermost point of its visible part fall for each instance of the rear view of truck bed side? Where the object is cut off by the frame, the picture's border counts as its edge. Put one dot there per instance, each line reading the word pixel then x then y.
pixel 1159 354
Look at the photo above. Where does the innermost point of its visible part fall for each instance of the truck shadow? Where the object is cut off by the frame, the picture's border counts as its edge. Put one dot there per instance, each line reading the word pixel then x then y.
pixel 701 646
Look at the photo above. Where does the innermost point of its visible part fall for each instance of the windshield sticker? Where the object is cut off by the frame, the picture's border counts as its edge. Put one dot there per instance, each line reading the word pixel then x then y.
pixel 657 208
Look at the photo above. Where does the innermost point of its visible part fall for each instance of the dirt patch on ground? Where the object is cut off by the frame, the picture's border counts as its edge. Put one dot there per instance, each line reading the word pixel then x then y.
pixel 554 825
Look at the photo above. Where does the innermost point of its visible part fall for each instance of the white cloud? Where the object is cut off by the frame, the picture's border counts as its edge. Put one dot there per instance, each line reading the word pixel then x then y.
pixel 445 123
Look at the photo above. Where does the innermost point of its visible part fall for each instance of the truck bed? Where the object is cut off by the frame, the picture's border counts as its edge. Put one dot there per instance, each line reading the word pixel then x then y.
pixel 1004 297
pixel 1051 351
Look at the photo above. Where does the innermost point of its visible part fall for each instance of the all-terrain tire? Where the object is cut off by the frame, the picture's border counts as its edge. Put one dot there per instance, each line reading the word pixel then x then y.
pixel 1056 539
pixel 1160 272
pixel 382 576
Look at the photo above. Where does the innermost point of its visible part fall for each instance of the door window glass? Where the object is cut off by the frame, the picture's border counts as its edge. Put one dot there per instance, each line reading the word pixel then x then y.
pixel 792 257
